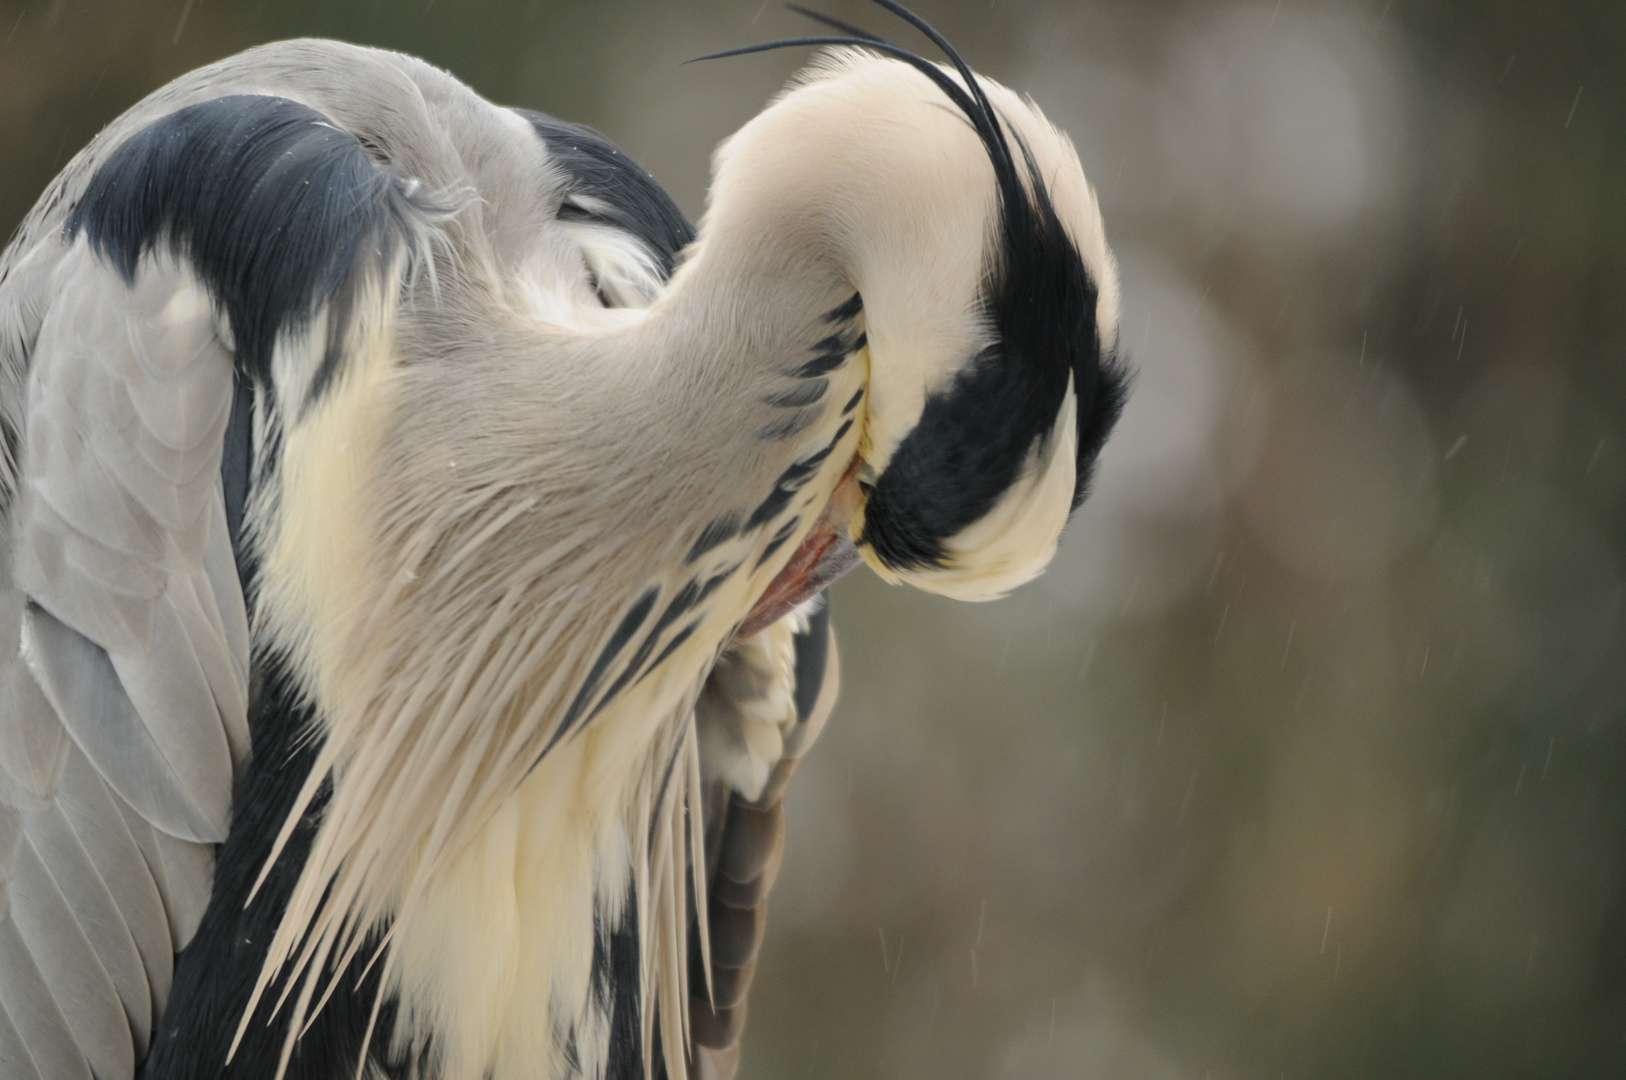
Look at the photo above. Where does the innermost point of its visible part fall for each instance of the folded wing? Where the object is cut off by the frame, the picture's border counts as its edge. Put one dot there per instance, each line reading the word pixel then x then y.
pixel 124 653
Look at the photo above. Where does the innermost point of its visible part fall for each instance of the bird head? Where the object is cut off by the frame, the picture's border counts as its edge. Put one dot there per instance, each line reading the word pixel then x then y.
pixel 987 299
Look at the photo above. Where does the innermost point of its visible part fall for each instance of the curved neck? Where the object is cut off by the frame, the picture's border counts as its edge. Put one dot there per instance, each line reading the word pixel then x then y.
pixel 843 186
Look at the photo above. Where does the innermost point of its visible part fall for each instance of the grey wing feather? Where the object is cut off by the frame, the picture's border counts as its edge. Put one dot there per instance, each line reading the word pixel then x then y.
pixel 67 963
pixel 11 842
pixel 33 742
pixel 42 1031
pixel 745 841
pixel 15 1060
pixel 92 903
pixel 125 653
pixel 83 686
pixel 112 849
pixel 229 613
pixel 182 871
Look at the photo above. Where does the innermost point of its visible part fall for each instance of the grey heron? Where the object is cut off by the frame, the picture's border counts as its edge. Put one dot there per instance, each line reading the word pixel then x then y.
pixel 415 532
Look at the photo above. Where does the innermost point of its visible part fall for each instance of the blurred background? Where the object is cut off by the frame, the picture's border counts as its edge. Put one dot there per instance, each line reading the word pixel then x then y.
pixel 1308 757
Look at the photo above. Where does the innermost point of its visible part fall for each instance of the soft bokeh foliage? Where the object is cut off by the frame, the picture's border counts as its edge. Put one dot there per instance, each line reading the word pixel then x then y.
pixel 1308 757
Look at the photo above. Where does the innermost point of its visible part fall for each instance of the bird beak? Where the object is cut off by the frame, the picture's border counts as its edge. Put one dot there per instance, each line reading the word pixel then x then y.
pixel 825 554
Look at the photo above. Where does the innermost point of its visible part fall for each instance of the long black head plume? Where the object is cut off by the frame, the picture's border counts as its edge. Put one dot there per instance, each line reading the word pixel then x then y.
pixel 974 103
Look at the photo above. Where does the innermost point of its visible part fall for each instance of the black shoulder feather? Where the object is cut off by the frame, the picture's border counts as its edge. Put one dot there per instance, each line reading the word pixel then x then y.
pixel 274 204
pixel 621 192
